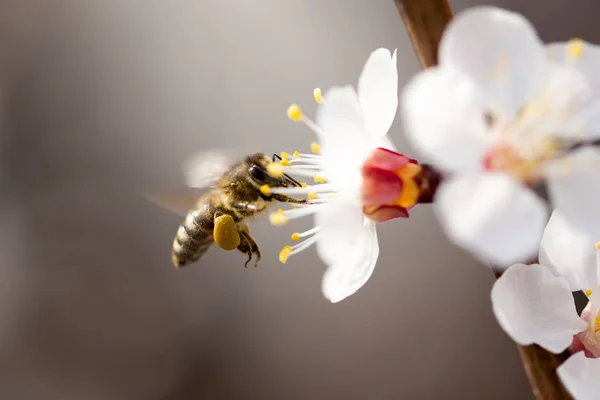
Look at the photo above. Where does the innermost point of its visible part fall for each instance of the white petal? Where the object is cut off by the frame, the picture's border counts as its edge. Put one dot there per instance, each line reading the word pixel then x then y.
pixel 386 143
pixel 500 50
pixel 345 142
pixel 588 65
pixel 341 224
pixel 574 188
pixel 580 376
pixel 534 306
pixel 444 119
pixel 492 216
pixel 378 91
pixel 354 267
pixel 569 252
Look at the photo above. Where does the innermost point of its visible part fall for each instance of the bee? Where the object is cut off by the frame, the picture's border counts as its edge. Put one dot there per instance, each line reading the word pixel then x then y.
pixel 233 193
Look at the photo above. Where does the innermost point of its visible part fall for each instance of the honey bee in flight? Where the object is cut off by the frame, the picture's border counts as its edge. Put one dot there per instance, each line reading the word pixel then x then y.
pixel 233 192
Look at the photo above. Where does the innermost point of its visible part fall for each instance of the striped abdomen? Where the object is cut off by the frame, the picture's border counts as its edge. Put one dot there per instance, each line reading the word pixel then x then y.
pixel 195 234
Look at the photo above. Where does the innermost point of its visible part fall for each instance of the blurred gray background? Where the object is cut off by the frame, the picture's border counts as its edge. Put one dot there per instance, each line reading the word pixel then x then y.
pixel 101 100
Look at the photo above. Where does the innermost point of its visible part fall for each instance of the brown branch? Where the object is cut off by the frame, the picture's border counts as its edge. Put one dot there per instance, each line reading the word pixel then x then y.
pixel 425 21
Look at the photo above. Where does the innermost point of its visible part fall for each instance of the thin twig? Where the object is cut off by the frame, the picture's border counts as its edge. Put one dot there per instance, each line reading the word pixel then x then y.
pixel 425 21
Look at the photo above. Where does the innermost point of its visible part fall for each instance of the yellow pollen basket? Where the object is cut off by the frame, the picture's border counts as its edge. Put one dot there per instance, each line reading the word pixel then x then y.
pixel 284 254
pixel 265 189
pixel 318 95
pixel 275 170
pixel 225 233
pixel 295 113
pixel 410 189
pixel 575 48
pixel 315 148
pixel 277 219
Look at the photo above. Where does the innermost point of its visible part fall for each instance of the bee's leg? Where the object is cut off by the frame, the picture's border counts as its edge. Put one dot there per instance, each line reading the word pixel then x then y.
pixel 225 232
pixel 246 248
pixel 245 233
pixel 286 199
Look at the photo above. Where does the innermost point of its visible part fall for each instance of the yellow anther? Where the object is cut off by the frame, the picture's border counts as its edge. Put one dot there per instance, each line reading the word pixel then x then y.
pixel 293 208
pixel 296 154
pixel 275 170
pixel 280 211
pixel 597 320
pixel 277 219
pixel 285 163
pixel 284 155
pixel 295 236
pixel 295 113
pixel 284 254
pixel 598 246
pixel 303 184
pixel 319 179
pixel 312 196
pixel 265 189
pixel 588 292
pixel 575 48
pixel 314 147
pixel 317 95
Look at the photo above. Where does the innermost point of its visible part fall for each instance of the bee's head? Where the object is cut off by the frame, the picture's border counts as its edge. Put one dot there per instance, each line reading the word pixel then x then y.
pixel 264 171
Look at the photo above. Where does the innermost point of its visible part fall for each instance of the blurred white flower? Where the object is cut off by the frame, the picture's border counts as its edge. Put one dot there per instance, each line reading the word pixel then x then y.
pixel 580 376
pixel 495 112
pixel 534 303
pixel 350 126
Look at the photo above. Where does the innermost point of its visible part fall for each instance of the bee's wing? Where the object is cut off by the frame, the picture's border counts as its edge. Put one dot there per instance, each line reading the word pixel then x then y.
pixel 178 201
pixel 203 169
pixel 201 172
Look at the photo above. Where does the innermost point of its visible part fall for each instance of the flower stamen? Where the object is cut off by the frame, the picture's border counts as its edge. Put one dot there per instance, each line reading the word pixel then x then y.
pixel 575 49
pixel 318 95
pixel 275 170
pixel 295 113
pixel 315 148
pixel 287 251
